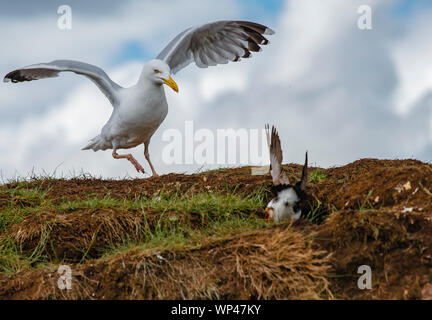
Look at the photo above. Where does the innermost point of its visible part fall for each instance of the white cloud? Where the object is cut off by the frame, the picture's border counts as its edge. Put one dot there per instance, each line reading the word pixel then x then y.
pixel 412 55
pixel 328 87
pixel 95 38
pixel 217 83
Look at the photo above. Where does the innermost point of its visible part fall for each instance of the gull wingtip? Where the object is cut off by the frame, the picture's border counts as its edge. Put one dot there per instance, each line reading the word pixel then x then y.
pixel 269 31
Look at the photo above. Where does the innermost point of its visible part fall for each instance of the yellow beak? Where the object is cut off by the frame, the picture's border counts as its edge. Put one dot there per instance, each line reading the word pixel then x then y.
pixel 171 83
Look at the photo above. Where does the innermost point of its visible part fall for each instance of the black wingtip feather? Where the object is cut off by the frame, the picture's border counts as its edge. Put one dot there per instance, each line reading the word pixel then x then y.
pixel 256 27
pixel 16 76
pixel 247 54
pixel 304 173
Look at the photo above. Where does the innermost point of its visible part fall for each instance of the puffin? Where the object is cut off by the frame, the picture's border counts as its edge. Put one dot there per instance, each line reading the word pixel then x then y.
pixel 291 199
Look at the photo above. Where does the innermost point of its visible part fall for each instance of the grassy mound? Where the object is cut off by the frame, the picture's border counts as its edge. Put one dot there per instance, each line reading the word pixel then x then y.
pixel 203 236
pixel 272 263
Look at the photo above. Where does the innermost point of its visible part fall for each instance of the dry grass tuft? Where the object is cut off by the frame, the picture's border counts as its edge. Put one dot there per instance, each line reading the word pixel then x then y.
pixel 74 236
pixel 273 263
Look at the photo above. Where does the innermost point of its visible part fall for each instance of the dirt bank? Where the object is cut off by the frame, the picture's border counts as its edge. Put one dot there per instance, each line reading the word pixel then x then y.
pixel 370 212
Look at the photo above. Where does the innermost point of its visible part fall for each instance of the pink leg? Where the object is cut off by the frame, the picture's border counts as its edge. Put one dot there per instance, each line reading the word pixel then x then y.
pixel 130 157
pixel 147 156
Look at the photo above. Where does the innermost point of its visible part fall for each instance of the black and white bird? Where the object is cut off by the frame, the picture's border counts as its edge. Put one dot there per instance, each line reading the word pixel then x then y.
pixel 139 110
pixel 290 199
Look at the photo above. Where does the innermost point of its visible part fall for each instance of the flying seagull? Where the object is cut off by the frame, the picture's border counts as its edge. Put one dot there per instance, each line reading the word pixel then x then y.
pixel 139 110
pixel 289 198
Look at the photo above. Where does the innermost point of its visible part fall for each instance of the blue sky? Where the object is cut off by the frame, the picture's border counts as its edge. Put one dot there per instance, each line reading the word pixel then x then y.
pixel 405 8
pixel 254 10
pixel 330 88
pixel 259 10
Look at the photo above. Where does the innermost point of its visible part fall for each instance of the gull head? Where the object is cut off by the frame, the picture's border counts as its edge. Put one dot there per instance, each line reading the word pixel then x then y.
pixel 158 72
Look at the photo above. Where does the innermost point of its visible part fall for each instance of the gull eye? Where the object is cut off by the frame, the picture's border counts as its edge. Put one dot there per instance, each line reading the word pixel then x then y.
pixel 156 71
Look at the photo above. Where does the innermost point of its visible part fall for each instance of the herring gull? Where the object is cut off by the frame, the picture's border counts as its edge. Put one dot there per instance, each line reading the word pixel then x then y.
pixel 139 110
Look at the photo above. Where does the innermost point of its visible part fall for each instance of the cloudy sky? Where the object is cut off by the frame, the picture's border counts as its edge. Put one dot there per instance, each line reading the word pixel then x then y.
pixel 331 88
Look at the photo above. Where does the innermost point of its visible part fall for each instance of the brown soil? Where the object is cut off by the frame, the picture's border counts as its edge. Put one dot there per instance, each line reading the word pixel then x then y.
pixel 273 263
pixel 239 180
pixel 379 213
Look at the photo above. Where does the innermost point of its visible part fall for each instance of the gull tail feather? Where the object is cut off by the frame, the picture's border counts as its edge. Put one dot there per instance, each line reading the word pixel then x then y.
pixel 96 144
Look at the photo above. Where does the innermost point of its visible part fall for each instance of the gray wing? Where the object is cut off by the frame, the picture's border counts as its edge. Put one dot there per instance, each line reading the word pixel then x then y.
pixel 214 43
pixel 278 175
pixel 51 70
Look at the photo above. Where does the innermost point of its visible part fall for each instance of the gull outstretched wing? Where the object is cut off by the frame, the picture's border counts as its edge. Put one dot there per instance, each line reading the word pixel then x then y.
pixel 214 43
pixel 51 70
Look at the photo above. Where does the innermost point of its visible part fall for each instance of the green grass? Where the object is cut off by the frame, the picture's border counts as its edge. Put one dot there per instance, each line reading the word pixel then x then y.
pixel 219 214
pixel 317 214
pixel 12 260
pixel 22 203
pixel 367 205
pixel 95 203
pixel 216 214
pixel 176 237
pixel 317 176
